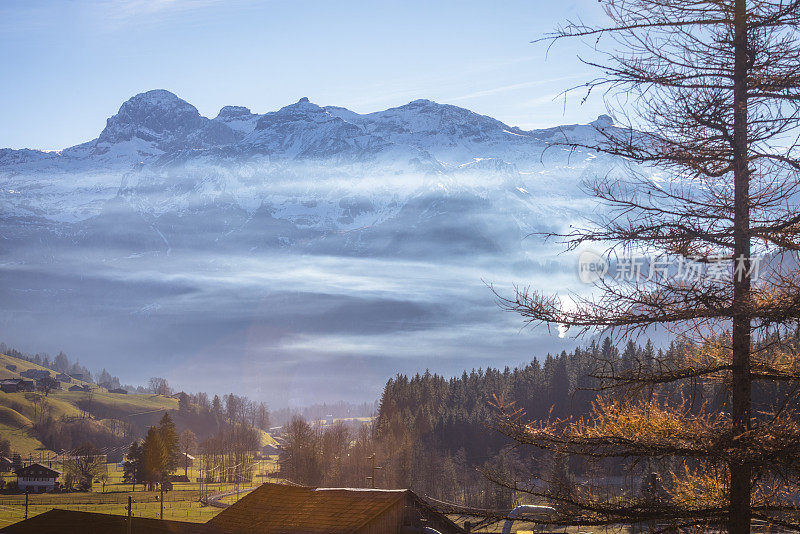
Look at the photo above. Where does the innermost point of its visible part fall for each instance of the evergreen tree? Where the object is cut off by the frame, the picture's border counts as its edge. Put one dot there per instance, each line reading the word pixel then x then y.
pixel 61 363
pixel 216 408
pixel 154 458
pixel 170 441
pixel 133 467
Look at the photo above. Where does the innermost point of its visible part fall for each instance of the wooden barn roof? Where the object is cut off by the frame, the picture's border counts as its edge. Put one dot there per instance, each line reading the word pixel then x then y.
pixel 72 522
pixel 281 509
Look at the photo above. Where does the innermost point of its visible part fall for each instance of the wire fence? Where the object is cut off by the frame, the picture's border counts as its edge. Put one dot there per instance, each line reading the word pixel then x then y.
pixel 192 511
pixel 110 496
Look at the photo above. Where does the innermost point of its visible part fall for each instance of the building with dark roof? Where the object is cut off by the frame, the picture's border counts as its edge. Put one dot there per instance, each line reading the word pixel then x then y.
pixel 282 509
pixel 37 478
pixel 14 385
pixel 270 509
pixel 36 374
pixel 6 464
pixel 72 522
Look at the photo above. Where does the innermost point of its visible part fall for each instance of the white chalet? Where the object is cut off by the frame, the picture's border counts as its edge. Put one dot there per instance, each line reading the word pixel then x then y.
pixel 37 478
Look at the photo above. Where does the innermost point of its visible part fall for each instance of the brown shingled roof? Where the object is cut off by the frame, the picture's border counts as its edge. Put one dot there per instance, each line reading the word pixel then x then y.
pixel 73 522
pixel 280 509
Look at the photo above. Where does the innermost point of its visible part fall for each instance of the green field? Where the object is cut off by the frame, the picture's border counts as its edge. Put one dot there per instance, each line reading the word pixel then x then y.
pixel 18 411
pixel 182 503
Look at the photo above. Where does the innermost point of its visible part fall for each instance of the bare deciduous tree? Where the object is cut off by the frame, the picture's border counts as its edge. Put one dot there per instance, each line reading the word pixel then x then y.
pixel 188 443
pixel 159 386
pixel 84 465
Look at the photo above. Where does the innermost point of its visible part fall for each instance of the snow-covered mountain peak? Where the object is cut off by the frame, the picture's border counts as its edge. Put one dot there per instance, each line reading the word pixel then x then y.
pixel 233 112
pixel 238 118
pixel 159 157
pixel 151 113
pixel 157 97
pixel 422 102
pixel 302 110
pixel 158 118
pixel 303 115
pixel 418 122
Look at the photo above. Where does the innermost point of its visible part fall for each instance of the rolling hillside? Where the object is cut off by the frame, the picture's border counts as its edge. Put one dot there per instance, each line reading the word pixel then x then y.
pixel 18 410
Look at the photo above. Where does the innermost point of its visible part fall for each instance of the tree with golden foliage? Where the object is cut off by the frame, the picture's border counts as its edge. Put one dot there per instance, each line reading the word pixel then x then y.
pixel 708 93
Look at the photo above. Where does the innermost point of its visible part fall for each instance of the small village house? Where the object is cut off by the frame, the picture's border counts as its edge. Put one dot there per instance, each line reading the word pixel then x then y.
pixel 35 374
pixel 53 386
pixel 37 478
pixel 6 464
pixel 14 385
pixel 10 385
pixel 269 450
pixel 186 460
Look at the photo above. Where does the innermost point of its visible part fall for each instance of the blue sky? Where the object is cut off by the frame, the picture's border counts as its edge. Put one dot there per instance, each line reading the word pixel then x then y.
pixel 68 65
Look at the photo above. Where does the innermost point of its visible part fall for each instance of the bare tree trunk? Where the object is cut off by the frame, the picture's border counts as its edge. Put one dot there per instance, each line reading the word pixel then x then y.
pixel 740 486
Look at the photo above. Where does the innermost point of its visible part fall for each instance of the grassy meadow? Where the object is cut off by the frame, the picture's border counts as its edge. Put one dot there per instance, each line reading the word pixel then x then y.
pixel 19 410
pixel 180 504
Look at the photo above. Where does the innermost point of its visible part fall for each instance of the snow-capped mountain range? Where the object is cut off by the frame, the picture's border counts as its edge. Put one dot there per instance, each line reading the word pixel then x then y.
pixel 299 253
pixel 322 178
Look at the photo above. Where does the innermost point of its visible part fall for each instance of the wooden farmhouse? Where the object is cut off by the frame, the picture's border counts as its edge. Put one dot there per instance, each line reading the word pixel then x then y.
pixel 37 478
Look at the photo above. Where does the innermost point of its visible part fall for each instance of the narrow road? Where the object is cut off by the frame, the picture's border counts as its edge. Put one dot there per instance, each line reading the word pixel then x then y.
pixel 214 500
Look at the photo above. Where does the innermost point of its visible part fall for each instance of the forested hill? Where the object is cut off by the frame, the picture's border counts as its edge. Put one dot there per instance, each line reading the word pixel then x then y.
pixel 450 412
pixel 433 433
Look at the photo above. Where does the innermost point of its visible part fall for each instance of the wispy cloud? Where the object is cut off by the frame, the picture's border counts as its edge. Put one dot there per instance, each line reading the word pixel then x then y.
pixel 134 8
pixel 510 87
pixel 402 89
pixel 544 99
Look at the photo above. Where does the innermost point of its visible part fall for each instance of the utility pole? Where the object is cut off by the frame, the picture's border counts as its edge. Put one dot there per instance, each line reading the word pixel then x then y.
pixel 130 514
pixel 26 503
pixel 161 500
pixel 374 468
